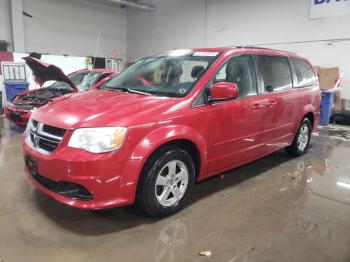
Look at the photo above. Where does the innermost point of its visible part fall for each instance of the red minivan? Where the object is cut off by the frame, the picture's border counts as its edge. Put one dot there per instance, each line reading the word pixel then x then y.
pixel 169 120
pixel 20 108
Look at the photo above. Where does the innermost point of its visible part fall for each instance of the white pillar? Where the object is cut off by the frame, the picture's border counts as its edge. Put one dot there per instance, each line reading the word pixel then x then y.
pixel 17 25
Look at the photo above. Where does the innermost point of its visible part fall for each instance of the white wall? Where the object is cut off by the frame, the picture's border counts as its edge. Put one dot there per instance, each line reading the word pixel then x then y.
pixel 255 22
pixel 68 27
pixel 72 27
pixel 197 23
pixel 175 24
pixel 5 21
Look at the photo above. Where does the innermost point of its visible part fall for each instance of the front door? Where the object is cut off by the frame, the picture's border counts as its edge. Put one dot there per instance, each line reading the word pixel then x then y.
pixel 235 126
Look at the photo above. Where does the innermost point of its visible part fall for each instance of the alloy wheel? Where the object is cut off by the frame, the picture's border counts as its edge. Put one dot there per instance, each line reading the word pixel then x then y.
pixel 303 137
pixel 171 183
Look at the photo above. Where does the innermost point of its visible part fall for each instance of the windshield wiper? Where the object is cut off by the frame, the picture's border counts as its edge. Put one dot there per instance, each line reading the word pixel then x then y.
pixel 129 90
pixel 136 91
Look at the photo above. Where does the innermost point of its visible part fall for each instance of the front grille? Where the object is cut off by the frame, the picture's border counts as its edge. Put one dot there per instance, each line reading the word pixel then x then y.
pixel 68 189
pixel 54 130
pixel 24 107
pixel 44 137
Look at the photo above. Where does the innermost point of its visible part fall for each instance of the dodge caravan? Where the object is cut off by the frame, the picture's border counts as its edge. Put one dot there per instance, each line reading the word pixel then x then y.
pixel 169 120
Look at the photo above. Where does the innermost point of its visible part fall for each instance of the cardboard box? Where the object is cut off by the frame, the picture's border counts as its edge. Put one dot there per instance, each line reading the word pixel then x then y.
pixel 327 77
pixel 337 102
pixel 345 104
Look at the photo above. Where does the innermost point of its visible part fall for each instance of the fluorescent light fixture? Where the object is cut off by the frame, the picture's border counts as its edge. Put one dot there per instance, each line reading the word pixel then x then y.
pixel 345 185
pixel 179 52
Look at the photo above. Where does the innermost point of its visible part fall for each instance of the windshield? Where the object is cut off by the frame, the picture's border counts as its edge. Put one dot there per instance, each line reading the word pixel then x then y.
pixel 83 81
pixel 173 74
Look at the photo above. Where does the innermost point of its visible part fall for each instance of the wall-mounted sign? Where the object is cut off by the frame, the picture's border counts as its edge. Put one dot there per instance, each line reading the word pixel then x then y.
pixel 14 71
pixel 329 8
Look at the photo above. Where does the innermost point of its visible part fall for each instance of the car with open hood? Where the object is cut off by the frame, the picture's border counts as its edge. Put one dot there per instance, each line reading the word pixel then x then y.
pixel 169 120
pixel 21 107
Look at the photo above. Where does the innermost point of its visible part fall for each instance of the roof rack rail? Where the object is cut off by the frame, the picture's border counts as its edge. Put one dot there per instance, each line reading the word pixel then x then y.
pixel 258 47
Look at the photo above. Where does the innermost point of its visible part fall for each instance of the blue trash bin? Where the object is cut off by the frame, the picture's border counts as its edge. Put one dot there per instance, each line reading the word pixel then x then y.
pixel 327 102
pixel 13 88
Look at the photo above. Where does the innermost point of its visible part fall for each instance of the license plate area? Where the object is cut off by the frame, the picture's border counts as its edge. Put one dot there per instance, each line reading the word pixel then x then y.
pixel 68 189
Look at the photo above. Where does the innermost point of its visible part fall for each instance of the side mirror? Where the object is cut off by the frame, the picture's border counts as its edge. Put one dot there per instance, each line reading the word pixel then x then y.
pixel 223 91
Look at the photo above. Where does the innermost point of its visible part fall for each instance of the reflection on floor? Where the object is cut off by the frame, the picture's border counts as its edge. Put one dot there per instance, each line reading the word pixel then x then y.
pixel 275 209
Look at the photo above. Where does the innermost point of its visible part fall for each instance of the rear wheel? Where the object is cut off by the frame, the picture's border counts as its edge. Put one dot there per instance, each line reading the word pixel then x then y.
pixel 301 140
pixel 166 182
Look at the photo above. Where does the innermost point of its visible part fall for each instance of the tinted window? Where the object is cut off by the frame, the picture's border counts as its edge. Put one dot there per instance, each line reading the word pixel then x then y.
pixel 276 72
pixel 304 73
pixel 239 70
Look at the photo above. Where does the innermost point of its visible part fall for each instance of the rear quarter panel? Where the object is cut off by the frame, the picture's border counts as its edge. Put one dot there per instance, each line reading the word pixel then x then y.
pixel 310 99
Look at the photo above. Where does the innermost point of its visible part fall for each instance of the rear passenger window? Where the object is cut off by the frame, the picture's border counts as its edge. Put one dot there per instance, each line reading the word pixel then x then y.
pixel 276 73
pixel 304 73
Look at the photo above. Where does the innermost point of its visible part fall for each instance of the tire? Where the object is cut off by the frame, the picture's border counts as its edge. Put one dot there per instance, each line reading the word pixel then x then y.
pixel 166 182
pixel 301 140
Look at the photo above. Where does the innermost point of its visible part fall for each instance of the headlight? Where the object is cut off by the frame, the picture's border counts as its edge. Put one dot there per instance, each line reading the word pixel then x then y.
pixel 98 140
pixel 29 125
pixel 9 104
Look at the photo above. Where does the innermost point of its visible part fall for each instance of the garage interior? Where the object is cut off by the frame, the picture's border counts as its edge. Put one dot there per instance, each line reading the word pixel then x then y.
pixel 277 208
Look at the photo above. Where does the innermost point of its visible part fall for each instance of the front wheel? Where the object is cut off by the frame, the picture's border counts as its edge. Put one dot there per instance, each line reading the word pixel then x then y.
pixel 301 140
pixel 166 182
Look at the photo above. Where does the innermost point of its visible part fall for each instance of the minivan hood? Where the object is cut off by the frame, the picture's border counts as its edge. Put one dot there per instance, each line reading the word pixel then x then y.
pixel 38 97
pixel 98 108
pixel 47 72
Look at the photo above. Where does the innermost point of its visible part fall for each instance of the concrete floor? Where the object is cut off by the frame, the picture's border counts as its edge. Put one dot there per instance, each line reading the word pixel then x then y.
pixel 275 209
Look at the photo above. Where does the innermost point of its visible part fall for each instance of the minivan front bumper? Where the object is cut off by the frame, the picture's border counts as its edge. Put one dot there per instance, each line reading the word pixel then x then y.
pixel 81 179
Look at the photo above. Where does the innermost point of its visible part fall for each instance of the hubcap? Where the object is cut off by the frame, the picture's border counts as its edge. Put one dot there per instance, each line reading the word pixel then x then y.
pixel 303 137
pixel 171 183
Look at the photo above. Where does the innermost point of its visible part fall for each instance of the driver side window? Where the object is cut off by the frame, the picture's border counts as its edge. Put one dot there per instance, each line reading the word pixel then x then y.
pixel 239 70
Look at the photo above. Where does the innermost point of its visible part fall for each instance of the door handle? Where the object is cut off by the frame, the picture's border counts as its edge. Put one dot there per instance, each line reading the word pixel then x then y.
pixel 257 106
